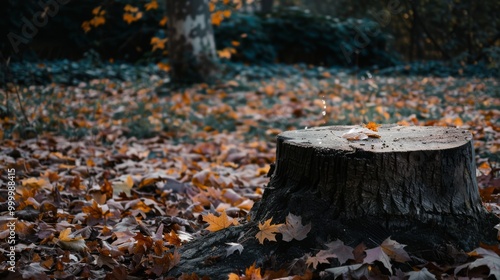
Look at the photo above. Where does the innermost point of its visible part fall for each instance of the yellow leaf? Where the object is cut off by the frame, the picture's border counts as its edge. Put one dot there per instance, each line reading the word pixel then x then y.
pixel 267 231
pixel 235 43
pixel 67 241
pixel 403 123
pixel 123 185
pixel 153 5
pixel 35 183
pixel 130 8
pixel 86 26
pixel 218 223
pixel 163 21
pixel 225 53
pixel 129 181
pixel 217 18
pixel 163 66
pixel 226 13
pixel 96 10
pixel 211 6
pixel 263 170
pixel 458 122
pixel 128 18
pixel 253 273
pixel 98 20
pixel 158 43
pixel 246 205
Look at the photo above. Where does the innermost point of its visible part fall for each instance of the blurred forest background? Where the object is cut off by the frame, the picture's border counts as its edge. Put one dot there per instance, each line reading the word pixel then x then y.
pixel 344 33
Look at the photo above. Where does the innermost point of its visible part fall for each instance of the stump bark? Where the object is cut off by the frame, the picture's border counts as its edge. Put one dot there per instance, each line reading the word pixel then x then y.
pixel 414 184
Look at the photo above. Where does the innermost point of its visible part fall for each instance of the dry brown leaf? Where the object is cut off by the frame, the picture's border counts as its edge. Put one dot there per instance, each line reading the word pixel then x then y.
pixel 293 228
pixel 70 242
pixel 218 223
pixel 267 231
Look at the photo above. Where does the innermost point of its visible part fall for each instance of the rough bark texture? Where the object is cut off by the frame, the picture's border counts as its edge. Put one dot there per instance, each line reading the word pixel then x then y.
pixel 191 41
pixel 415 184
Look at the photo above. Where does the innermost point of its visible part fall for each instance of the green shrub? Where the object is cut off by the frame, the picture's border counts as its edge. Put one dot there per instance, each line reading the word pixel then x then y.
pixel 292 36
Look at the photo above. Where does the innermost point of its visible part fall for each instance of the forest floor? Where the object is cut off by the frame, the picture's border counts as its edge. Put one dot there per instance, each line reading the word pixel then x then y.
pixel 111 178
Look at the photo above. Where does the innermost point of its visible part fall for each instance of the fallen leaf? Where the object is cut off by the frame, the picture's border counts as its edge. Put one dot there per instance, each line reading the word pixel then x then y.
pixel 267 231
pixel 173 238
pixel 423 274
pixel 378 254
pixel 357 271
pixel 395 250
pixel 34 271
pixel 342 252
pixel 123 185
pixel 233 247
pixel 293 228
pixel 70 242
pixel 372 126
pixel 321 257
pixel 489 259
pixel 218 223
pixel 251 273
pixel 360 133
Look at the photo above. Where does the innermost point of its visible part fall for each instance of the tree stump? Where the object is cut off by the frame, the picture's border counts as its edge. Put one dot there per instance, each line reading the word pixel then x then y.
pixel 414 184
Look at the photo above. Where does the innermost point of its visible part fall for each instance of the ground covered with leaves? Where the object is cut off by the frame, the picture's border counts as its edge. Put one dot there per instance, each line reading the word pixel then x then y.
pixel 111 179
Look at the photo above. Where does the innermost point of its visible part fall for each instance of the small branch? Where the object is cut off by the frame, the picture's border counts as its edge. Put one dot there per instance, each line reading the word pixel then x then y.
pixel 21 105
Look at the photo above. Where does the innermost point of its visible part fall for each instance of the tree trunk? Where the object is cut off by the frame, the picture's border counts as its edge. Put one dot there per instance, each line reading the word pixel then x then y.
pixel 191 41
pixel 416 185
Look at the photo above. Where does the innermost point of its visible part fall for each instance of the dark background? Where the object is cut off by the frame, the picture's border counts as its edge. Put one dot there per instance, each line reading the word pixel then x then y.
pixel 320 32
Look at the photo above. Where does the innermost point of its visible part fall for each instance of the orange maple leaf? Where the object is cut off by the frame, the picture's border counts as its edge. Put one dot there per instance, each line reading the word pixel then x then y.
pixel 163 21
pixel 130 8
pixel 267 231
pixel 158 43
pixel 96 10
pixel 153 5
pixel 173 238
pixel 372 126
pixel 251 273
pixel 218 223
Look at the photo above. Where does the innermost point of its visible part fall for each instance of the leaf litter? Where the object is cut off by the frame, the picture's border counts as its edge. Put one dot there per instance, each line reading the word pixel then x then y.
pixel 118 178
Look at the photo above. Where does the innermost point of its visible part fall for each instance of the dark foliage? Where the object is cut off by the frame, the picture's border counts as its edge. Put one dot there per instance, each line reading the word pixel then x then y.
pixel 293 35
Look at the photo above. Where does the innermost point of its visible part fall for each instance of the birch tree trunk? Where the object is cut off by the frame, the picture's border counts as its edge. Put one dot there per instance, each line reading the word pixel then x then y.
pixel 192 51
